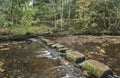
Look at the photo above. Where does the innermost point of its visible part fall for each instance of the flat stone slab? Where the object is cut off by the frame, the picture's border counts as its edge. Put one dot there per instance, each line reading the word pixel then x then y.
pixel 57 46
pixel 45 40
pixel 69 50
pixel 96 68
pixel 75 56
pixel 63 49
pixel 50 43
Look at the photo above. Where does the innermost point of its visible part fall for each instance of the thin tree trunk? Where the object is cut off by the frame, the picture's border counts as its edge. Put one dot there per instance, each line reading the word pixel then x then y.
pixel 12 20
pixel 54 15
pixel 61 14
pixel 69 13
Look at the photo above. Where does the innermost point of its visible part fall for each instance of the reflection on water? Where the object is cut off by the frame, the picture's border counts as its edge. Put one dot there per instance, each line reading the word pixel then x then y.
pixel 33 60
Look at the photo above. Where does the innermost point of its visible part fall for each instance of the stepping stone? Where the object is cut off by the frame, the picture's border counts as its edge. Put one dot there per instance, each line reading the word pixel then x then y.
pixel 96 68
pixel 63 49
pixel 75 56
pixel 57 46
pixel 45 40
pixel 69 50
pixel 49 43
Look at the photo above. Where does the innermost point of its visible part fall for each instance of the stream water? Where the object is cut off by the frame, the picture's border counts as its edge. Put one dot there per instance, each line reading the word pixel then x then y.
pixel 32 60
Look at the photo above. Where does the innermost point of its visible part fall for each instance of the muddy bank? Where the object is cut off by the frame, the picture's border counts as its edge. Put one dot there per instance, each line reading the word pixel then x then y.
pixel 16 37
pixel 105 49
pixel 19 37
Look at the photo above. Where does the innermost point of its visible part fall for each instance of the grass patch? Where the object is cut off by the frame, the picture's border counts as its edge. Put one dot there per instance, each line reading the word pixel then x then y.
pixel 29 29
pixel 21 32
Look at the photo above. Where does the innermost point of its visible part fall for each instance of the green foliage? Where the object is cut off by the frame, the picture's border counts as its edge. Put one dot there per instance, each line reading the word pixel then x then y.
pixel 42 9
pixel 30 29
pixel 93 16
pixel 98 16
pixel 19 18
pixel 17 13
pixel 27 18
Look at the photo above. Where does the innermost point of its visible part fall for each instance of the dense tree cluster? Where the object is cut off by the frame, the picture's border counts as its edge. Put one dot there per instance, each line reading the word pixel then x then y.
pixel 71 16
pixel 98 16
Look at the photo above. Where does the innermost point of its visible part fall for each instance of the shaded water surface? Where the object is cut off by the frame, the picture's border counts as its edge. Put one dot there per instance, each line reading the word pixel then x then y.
pixel 32 60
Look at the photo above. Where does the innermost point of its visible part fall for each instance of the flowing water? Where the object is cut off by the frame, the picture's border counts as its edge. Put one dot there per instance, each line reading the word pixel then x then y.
pixel 33 60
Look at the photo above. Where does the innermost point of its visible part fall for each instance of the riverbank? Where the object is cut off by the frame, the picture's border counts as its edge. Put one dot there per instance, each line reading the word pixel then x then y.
pixel 21 33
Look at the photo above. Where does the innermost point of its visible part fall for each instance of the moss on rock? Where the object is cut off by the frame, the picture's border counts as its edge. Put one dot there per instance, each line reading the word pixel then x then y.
pixel 45 40
pixel 75 56
pixel 96 68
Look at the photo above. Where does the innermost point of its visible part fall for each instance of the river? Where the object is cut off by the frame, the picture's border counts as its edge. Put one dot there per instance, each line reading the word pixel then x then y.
pixel 24 59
